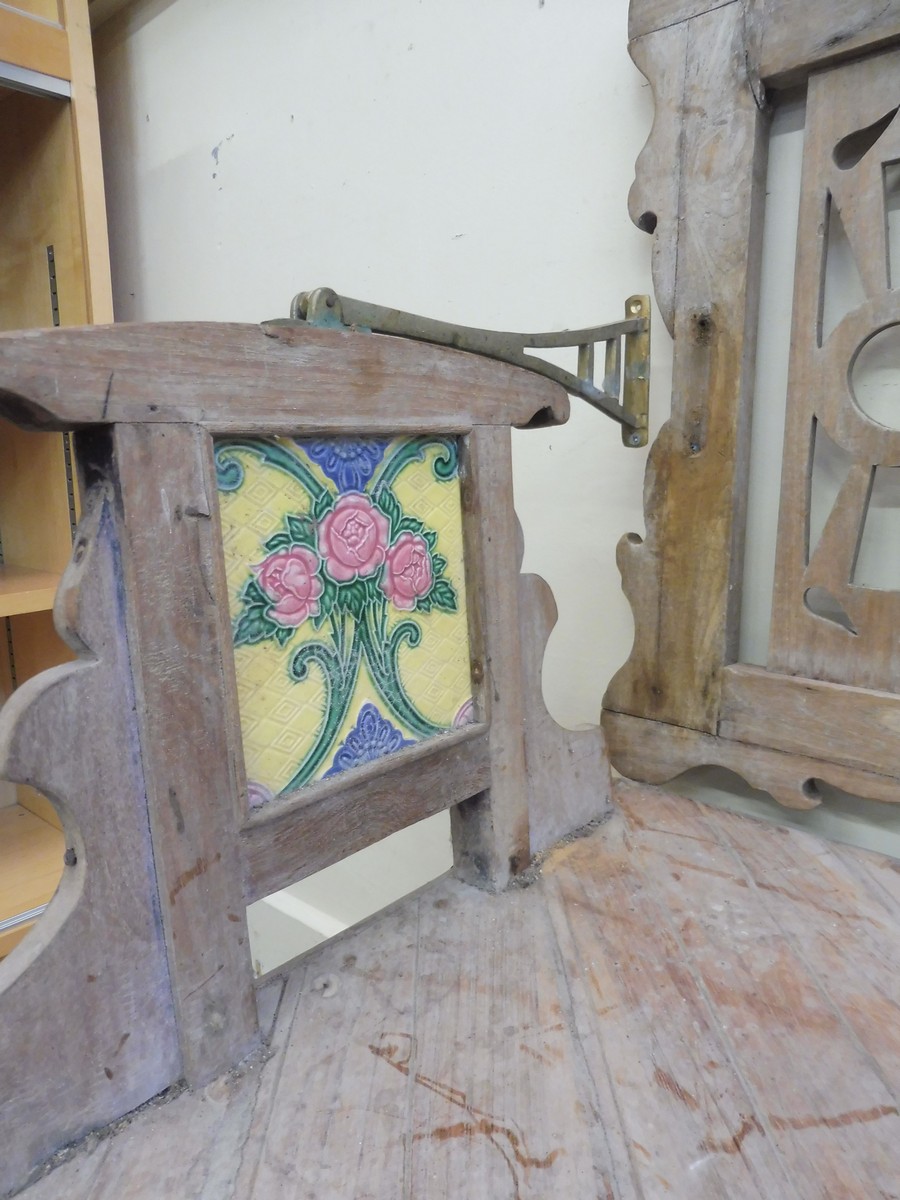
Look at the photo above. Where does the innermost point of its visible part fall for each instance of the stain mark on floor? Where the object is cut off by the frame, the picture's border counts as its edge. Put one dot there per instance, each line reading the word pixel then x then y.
pixel 398 1051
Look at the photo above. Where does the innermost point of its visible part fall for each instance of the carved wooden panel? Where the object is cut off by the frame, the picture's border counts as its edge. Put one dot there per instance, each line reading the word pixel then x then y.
pixel 700 183
pixel 143 952
pixel 823 708
pixel 826 624
pixel 86 1000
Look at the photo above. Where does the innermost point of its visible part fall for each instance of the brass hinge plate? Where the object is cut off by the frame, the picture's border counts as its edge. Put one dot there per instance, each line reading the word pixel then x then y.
pixel 623 396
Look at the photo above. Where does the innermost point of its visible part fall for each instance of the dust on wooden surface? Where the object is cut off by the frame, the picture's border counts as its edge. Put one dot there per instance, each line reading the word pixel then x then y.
pixel 686 1003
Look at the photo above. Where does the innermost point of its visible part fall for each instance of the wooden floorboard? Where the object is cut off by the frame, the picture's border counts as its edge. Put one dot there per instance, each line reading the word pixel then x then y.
pixel 812 1083
pixel 878 874
pixel 687 1004
pixel 845 944
pixel 646 1024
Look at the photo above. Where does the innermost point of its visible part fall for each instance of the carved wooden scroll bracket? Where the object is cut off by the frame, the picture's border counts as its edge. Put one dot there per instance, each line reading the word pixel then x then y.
pixel 85 1001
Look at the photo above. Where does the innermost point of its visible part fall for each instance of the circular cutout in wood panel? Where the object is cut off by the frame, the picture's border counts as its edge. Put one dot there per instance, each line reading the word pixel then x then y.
pixel 33 855
pixel 875 377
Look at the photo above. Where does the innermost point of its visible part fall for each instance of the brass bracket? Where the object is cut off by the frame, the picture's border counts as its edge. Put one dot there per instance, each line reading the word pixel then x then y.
pixel 624 395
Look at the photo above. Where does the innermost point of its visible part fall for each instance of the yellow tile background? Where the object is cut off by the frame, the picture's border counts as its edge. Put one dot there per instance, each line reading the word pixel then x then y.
pixel 280 717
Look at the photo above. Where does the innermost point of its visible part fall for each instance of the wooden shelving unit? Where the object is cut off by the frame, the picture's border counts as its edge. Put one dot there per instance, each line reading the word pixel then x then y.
pixel 54 270
pixel 32 854
pixel 23 590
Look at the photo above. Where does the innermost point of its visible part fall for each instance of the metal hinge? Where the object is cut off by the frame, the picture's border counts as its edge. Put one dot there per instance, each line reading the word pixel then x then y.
pixel 625 391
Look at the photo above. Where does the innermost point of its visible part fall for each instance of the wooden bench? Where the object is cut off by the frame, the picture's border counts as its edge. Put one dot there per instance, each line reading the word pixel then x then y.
pixel 140 970
pixel 681 1003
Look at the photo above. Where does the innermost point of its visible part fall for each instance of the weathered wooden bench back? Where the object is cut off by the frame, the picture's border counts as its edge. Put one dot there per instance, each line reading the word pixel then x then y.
pixel 821 704
pixel 140 972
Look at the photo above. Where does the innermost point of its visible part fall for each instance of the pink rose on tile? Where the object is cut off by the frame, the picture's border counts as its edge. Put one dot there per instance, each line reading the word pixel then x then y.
pixel 291 579
pixel 408 572
pixel 353 538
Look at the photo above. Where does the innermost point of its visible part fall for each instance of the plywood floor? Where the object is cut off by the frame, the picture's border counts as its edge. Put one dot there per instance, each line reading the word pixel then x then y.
pixel 687 1004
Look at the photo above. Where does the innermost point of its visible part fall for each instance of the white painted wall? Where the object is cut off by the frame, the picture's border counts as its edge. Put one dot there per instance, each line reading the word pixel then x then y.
pixel 465 160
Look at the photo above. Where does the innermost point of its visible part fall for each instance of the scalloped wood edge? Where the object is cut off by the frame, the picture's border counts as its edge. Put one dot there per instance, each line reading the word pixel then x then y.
pixel 701 174
pixel 683 579
pixel 98 952
pixel 568 776
pixel 652 752
pixel 139 743
pixel 262 379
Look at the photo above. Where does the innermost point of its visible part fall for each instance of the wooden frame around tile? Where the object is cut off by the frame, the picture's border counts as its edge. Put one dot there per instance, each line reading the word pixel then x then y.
pixel 138 742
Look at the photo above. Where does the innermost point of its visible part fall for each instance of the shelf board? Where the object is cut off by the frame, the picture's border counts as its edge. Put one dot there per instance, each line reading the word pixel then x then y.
pixel 21 79
pixel 31 862
pixel 23 590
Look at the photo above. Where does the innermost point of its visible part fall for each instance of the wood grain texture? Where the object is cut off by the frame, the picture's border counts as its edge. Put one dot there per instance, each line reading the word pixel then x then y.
pixel 786 44
pixel 654 195
pixel 51 195
pixel 680 1098
pixel 179 633
pixel 257 379
pixel 702 1006
pixel 98 951
pixel 490 831
pixel 567 771
pixel 781 1008
pixel 683 579
pixel 647 16
pixel 34 44
pixel 653 752
pixel 39 194
pixel 841 102
pixel 308 830
pixel 849 950
pixel 853 726
pixel 91 192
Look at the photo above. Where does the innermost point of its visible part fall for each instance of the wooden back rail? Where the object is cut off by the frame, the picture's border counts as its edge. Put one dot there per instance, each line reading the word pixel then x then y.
pixel 140 975
pixel 825 705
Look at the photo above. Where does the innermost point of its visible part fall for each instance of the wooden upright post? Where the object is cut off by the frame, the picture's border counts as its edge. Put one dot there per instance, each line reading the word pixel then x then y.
pixel 490 831
pixel 179 637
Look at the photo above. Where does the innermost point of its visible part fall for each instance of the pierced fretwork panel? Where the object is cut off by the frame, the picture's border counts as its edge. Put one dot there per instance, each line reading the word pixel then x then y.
pixel 836 603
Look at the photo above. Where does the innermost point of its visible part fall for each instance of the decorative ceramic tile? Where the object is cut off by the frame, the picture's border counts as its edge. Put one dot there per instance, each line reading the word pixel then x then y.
pixel 344 560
